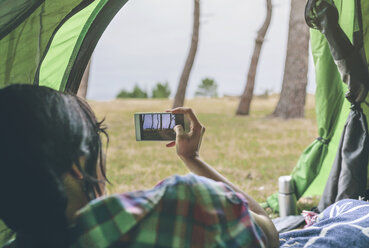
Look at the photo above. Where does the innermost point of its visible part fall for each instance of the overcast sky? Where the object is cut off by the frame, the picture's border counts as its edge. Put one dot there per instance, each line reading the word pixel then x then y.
pixel 148 41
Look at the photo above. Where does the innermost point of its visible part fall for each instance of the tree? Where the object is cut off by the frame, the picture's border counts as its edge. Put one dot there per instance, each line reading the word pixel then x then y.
pixel 82 91
pixel 182 86
pixel 292 100
pixel 246 97
pixel 143 119
pixel 208 87
pixel 157 122
pixel 171 119
pixel 136 93
pixel 161 90
pixel 124 94
pixel 161 122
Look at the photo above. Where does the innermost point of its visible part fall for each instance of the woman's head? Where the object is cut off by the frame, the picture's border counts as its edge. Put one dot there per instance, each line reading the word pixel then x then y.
pixel 43 134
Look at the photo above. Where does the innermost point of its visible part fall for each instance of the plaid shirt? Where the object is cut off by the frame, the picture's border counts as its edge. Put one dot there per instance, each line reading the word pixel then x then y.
pixel 181 211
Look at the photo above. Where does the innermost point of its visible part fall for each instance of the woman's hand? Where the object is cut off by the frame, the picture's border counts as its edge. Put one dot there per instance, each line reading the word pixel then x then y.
pixel 187 144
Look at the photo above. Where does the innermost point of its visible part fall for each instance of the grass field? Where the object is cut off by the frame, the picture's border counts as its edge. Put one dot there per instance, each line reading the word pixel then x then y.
pixel 251 151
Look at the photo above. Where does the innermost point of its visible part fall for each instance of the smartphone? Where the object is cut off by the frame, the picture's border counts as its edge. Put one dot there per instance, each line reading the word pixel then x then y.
pixel 157 126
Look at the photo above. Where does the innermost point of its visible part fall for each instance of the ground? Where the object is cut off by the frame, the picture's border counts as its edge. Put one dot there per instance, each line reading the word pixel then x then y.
pixel 252 151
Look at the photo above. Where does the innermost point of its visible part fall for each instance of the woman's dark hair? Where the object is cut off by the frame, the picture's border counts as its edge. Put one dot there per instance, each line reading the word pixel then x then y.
pixel 42 134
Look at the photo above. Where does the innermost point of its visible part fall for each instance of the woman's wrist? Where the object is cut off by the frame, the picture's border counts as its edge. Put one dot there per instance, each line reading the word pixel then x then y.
pixel 190 159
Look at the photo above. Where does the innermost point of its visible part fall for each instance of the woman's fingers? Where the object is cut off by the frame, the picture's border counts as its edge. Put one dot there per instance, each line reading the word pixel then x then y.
pixel 196 125
pixel 197 130
pixel 179 130
pixel 171 144
pixel 188 144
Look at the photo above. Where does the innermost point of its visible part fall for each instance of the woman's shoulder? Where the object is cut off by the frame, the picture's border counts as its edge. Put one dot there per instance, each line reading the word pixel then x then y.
pixel 212 208
pixel 188 186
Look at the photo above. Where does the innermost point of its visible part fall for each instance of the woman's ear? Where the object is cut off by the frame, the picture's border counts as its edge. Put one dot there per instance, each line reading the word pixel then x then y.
pixel 76 173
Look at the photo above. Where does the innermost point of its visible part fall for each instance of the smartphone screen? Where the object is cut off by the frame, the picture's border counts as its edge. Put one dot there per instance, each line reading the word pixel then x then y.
pixel 157 126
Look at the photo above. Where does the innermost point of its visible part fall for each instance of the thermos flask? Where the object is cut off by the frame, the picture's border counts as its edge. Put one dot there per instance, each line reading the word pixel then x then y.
pixel 286 197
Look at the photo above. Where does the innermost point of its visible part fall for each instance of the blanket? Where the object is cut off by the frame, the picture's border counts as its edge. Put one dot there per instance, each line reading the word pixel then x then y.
pixel 343 224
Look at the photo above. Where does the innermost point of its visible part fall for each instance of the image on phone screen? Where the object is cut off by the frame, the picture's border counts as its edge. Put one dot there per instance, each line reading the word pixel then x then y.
pixel 157 126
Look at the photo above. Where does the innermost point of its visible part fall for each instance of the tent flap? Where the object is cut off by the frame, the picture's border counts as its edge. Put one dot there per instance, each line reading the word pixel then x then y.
pixel 50 42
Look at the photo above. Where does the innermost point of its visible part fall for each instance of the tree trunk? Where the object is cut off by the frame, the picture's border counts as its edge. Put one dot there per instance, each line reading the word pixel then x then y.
pixel 82 91
pixel 152 121
pixel 161 122
pixel 292 100
pixel 157 122
pixel 170 121
pixel 244 105
pixel 142 120
pixel 182 86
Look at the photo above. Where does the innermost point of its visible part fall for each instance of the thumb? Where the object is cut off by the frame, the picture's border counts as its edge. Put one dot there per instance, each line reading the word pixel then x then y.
pixel 179 130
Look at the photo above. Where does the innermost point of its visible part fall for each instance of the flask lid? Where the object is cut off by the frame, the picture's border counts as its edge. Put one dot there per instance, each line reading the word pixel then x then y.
pixel 285 185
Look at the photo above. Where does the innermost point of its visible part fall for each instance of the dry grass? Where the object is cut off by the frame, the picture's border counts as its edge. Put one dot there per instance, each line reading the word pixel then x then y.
pixel 251 151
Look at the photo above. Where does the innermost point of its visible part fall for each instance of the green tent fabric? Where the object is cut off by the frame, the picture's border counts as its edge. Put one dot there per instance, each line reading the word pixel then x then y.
pixel 312 170
pixel 49 42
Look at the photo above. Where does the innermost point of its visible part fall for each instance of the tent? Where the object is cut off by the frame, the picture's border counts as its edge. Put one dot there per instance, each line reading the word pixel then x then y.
pixel 48 42
pixel 332 108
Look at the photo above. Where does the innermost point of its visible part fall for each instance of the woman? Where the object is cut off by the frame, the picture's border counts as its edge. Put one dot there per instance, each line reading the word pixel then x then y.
pixel 53 169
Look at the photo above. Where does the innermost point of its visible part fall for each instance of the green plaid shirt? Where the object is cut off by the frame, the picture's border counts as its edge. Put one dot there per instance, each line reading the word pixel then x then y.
pixel 181 211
